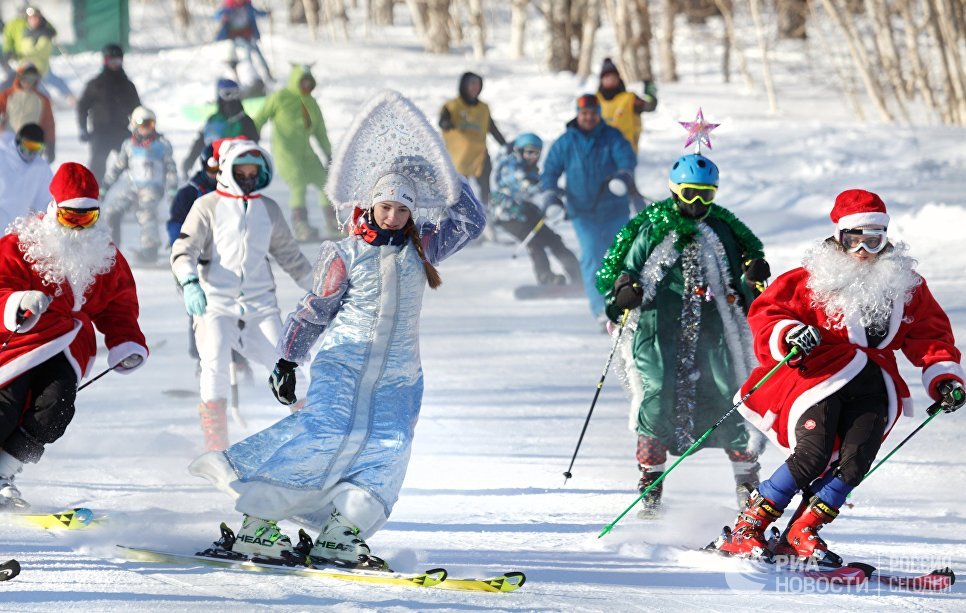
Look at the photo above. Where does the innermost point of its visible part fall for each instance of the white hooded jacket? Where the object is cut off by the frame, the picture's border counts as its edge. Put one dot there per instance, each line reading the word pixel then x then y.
pixel 24 186
pixel 227 238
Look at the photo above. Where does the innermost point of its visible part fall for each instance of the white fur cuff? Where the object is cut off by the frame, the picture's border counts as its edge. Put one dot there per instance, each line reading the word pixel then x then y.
pixel 777 338
pixel 941 370
pixel 119 352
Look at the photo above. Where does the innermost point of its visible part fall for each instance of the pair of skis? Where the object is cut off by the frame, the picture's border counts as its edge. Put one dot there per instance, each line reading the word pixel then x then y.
pixel 434 578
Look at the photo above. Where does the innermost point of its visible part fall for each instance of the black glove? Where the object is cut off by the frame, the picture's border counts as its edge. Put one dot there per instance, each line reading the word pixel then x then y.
pixel 84 136
pixel 283 382
pixel 953 396
pixel 628 293
pixel 804 337
pixel 757 271
pixel 445 123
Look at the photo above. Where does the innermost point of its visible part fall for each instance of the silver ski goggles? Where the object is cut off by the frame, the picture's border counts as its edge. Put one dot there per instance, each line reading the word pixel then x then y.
pixel 872 240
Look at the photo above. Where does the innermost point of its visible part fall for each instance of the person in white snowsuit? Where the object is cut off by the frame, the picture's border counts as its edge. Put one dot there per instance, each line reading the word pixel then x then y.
pixel 221 260
pixel 143 173
pixel 24 174
pixel 341 460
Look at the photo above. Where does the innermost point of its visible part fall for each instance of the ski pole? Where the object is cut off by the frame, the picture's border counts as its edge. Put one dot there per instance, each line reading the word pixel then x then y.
pixel 933 410
pixel 107 370
pixel 600 384
pixel 529 237
pixel 610 526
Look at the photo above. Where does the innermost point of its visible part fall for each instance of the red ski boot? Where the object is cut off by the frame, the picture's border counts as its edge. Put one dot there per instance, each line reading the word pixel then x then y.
pixel 748 537
pixel 801 537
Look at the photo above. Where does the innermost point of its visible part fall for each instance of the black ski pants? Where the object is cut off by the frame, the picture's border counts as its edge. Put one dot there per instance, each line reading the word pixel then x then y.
pixel 857 416
pixel 36 407
pixel 545 240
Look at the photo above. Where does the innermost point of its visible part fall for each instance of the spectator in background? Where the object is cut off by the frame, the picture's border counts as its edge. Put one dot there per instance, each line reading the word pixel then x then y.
pixel 30 38
pixel 22 104
pixel 592 155
pixel 104 108
pixel 239 24
pixel 620 108
pixel 296 118
pixel 24 174
pixel 228 121
pixel 465 121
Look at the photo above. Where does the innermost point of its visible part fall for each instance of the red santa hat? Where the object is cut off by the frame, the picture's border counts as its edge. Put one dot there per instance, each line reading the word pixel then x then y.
pixel 857 207
pixel 74 187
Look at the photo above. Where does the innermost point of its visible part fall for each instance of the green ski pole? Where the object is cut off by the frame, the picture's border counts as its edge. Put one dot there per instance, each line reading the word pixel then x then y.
pixel 698 442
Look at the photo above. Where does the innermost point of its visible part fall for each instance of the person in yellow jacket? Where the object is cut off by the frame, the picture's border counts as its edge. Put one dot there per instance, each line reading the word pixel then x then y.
pixel 620 108
pixel 465 121
pixel 30 38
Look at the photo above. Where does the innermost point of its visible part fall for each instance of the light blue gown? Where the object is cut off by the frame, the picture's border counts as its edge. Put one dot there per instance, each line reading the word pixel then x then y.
pixel 349 447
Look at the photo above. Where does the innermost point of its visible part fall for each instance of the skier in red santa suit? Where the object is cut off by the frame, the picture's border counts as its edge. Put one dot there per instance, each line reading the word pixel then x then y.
pixel 855 301
pixel 60 278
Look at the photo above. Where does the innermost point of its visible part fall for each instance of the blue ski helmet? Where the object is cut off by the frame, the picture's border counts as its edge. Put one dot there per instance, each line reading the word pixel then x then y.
pixel 694 168
pixel 528 139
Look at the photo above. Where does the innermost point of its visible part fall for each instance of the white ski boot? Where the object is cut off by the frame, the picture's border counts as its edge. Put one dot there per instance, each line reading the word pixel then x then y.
pixel 10 497
pixel 261 537
pixel 340 541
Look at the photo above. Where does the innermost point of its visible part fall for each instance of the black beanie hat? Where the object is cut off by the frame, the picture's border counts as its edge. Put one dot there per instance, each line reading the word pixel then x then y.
pixel 31 132
pixel 608 66
pixel 112 50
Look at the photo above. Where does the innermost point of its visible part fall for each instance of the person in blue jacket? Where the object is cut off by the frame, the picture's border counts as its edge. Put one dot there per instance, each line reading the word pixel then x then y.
pixel 599 164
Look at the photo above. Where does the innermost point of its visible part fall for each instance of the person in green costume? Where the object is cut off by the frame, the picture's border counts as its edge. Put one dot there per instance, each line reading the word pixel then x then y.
pixel 296 118
pixel 686 271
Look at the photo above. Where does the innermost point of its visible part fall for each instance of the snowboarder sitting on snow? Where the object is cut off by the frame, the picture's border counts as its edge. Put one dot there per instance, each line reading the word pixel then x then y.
pixel 339 463
pixel 220 258
pixel 61 278
pixel 228 121
pixel 143 172
pixel 855 302
pixel 516 184
pixel 678 267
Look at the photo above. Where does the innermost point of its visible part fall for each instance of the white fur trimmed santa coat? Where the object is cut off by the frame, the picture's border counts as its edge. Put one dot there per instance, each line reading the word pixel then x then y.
pixel 920 329
pixel 66 326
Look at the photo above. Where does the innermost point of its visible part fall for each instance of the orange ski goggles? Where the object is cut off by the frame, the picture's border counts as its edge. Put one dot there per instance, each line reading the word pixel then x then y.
pixel 77 218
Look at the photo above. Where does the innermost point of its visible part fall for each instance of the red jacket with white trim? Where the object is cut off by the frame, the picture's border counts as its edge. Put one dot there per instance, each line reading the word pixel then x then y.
pixel 111 306
pixel 920 329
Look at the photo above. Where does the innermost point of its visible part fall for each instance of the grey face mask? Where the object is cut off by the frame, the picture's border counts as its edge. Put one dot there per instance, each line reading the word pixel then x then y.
pixel 247 184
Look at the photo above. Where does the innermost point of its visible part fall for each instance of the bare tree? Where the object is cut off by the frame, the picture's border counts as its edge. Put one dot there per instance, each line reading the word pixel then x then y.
pixel 669 67
pixel 182 17
pixel 478 25
pixel 792 17
pixel 380 12
pixel 588 35
pixel 437 34
pixel 765 62
pixel 518 27
pixel 559 33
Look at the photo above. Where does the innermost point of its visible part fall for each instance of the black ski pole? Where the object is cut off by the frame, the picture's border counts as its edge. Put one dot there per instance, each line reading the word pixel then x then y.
pixel 933 410
pixel 600 384
pixel 698 442
pixel 107 370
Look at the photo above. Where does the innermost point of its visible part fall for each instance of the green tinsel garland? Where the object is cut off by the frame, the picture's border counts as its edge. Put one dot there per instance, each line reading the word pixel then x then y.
pixel 664 216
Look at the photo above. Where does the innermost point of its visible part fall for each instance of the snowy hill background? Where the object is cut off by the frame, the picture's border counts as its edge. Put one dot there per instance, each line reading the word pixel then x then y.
pixel 508 383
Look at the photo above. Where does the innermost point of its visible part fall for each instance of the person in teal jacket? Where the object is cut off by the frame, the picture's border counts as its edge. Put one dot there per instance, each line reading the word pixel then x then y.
pixel 592 154
pixel 296 117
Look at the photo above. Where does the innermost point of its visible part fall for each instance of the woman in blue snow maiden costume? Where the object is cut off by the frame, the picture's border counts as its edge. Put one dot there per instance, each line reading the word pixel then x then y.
pixel 339 463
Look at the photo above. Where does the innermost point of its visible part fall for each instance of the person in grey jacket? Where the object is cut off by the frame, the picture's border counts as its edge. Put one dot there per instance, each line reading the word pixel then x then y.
pixel 220 259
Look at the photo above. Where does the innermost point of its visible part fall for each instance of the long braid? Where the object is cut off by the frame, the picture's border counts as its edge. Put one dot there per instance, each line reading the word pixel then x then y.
pixel 432 275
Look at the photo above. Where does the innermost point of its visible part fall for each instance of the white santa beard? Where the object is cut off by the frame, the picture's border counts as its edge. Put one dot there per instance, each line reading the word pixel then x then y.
pixel 59 254
pixel 849 289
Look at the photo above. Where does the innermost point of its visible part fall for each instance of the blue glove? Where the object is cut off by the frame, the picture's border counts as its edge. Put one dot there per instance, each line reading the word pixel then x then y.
pixel 194 297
